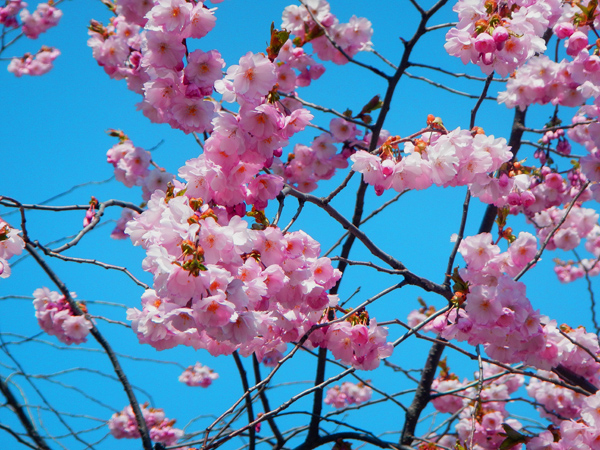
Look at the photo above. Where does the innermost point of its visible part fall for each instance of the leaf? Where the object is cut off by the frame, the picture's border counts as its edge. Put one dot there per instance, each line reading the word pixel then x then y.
pixel 278 39
pixel 513 437
pixel 372 105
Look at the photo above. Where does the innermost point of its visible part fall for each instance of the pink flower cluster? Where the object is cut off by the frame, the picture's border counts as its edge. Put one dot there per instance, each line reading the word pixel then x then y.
pixel 491 413
pixel 574 350
pixel 131 168
pixel 501 36
pixel 41 20
pixel 33 24
pixel 307 165
pixel 583 434
pixel 455 158
pixel 578 225
pixel 351 37
pixel 570 271
pixel 9 12
pixel 123 425
pixel 37 64
pixel 557 403
pixel 11 244
pixel 222 286
pixel 243 144
pixel 358 345
pixel 348 394
pixel 198 375
pixel 55 317
pixel 497 312
pixel 292 58
pixel 152 59
pixel 543 81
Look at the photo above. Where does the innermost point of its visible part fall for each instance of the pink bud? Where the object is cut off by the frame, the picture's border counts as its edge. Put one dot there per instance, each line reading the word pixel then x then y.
pixel 484 43
pixel 487 58
pixel 563 147
pixel 316 70
pixel 500 35
pixel 592 64
pixel 514 198
pixel 503 180
pixel 577 42
pixel 564 30
pixel 554 181
pixel 328 20
pixel 527 198
pixel 89 215
pixel 541 155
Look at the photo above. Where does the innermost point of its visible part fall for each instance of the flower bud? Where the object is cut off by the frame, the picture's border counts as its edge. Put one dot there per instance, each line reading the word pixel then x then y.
pixel 577 42
pixel 484 43
pixel 564 30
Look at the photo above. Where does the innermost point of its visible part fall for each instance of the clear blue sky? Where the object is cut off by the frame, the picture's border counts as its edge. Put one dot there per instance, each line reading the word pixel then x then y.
pixel 54 138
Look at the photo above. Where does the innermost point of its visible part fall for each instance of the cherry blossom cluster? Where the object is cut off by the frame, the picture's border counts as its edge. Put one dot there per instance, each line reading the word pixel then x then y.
pixel 11 244
pixel 494 309
pixel 530 190
pixel 37 64
pixel 583 433
pixel 55 317
pixel 132 164
pixel 313 22
pixel 222 286
pixel 569 271
pixel 291 59
pixel 348 394
pixel 32 25
pixel 41 20
pixel 562 147
pixel 577 351
pixel 501 36
pixel 544 81
pixel 198 375
pixel 9 13
pixel 557 403
pixel 357 344
pixel 123 425
pixel 484 412
pixel 145 45
pixel 242 144
pixel 307 165
pixel 454 158
pixel 573 349
pixel 579 223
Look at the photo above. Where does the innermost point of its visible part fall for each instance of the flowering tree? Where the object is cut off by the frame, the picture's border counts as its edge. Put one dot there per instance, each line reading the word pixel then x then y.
pixel 234 268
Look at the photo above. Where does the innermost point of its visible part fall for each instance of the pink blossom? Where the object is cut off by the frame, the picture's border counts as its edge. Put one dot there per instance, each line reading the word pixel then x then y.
pixel 43 18
pixel 169 15
pixel 348 394
pixel 198 375
pixel 161 49
pixel 253 77
pixel 203 69
pixel 56 317
pixel 38 64
pixel 123 425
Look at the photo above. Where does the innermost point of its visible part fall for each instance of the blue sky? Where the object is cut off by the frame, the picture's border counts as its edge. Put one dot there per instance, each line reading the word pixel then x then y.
pixel 54 138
